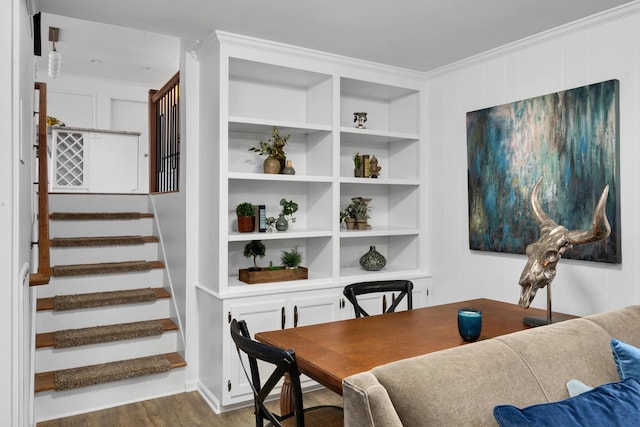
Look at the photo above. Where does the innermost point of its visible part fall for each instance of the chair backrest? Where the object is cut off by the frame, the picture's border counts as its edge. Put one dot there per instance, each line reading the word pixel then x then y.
pixel 404 287
pixel 284 361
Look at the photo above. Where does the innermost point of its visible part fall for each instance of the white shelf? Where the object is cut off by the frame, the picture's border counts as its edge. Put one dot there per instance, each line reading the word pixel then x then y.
pixel 264 126
pixel 379 181
pixel 277 177
pixel 357 274
pixel 278 235
pixel 378 231
pixel 371 136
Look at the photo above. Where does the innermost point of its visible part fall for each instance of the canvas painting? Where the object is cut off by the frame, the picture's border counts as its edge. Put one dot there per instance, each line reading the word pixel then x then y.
pixel 570 139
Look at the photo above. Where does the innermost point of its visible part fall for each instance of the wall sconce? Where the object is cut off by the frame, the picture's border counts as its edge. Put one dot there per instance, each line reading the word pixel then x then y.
pixel 55 58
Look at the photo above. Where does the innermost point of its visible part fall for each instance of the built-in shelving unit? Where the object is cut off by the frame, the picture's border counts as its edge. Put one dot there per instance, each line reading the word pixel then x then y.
pixel 311 97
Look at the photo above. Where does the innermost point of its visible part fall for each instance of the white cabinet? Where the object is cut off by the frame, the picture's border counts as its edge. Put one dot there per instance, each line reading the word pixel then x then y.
pixel 246 88
pixel 276 312
pixel 97 161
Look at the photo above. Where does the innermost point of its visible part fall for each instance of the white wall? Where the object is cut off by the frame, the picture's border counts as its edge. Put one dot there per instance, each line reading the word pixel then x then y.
pixel 90 102
pixel 603 47
pixel 16 75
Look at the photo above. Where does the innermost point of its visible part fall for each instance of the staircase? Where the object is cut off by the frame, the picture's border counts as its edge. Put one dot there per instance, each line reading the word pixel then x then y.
pixel 104 331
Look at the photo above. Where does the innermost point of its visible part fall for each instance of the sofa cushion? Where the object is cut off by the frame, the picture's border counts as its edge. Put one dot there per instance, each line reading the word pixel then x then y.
pixel 566 350
pixel 627 358
pixel 462 384
pixel 613 404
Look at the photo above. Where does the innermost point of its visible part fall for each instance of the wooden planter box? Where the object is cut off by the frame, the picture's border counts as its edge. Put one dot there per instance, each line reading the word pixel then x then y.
pixel 267 276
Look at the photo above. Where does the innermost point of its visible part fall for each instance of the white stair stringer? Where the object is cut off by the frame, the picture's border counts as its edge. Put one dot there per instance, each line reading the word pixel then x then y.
pixel 57 404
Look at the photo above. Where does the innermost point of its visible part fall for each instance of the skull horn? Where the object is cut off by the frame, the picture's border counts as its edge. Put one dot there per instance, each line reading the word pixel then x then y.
pixel 600 228
pixel 540 216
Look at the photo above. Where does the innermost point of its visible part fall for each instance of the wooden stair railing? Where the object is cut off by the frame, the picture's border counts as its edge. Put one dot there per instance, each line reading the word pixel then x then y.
pixel 43 272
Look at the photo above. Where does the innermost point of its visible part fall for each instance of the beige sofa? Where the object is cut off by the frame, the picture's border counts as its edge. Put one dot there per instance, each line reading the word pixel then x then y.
pixel 461 386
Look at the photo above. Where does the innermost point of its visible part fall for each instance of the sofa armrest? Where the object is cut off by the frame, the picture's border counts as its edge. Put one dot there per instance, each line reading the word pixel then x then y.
pixel 367 403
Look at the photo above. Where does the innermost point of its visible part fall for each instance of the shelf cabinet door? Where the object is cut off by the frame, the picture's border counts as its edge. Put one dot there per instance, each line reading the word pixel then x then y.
pixel 313 309
pixel 260 316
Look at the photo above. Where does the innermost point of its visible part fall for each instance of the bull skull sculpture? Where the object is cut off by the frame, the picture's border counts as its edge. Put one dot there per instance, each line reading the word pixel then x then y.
pixel 554 240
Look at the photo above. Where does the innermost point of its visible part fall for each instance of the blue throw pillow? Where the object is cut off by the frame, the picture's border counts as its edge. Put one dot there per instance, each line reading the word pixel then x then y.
pixel 627 358
pixel 614 404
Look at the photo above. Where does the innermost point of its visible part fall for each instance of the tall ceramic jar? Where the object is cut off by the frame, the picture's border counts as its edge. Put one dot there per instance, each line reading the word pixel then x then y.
pixel 271 165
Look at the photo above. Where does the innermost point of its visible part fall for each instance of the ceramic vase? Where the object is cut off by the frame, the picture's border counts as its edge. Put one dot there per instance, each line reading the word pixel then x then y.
pixel 372 260
pixel 282 224
pixel 288 169
pixel 271 165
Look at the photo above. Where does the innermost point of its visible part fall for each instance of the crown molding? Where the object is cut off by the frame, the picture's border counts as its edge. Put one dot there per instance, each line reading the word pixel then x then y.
pixel 583 24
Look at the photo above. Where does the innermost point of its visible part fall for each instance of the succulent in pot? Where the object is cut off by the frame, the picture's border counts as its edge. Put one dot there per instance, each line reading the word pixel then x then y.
pixel 246 217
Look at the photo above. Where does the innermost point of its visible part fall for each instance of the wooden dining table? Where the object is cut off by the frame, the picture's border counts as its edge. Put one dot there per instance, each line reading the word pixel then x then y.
pixel 330 352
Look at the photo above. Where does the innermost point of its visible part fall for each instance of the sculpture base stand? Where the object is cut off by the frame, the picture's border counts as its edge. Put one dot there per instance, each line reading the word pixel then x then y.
pixel 535 321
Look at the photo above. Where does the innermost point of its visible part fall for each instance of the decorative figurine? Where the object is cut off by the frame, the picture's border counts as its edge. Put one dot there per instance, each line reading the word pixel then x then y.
pixel 360 119
pixel 374 169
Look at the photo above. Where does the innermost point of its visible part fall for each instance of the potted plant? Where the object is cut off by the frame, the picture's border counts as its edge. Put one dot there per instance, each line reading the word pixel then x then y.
pixel 273 148
pixel 357 165
pixel 290 270
pixel 246 217
pixel 356 214
pixel 289 207
pixel 254 248
pixel 291 259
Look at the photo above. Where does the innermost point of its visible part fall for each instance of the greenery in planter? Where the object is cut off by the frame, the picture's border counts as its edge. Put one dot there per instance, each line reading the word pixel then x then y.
pixel 245 209
pixel 357 161
pixel 273 147
pixel 357 209
pixel 289 207
pixel 254 248
pixel 292 258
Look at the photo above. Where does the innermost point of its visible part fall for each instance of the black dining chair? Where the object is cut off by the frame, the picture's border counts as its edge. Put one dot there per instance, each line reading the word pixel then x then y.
pixel 284 362
pixel 403 287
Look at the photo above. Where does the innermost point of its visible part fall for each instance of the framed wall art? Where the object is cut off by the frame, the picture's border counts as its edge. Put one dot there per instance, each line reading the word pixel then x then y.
pixel 571 139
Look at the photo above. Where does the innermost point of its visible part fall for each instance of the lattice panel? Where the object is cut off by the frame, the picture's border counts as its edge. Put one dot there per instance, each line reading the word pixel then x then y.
pixel 70 155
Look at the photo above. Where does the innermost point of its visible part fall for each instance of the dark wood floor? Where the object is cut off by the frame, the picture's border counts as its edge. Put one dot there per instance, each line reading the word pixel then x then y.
pixel 180 410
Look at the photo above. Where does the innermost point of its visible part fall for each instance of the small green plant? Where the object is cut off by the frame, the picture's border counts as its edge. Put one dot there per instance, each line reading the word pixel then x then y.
pixel 289 207
pixel 254 248
pixel 273 267
pixel 357 161
pixel 273 147
pixel 292 258
pixel 245 209
pixel 357 209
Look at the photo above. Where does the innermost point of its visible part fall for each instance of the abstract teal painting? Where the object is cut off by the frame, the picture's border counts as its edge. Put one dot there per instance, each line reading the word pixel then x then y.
pixel 571 139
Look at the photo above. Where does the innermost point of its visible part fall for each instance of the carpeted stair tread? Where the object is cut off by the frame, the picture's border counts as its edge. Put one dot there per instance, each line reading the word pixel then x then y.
pixel 104 268
pixel 101 299
pixel 66 379
pixel 69 242
pixel 93 216
pixel 101 334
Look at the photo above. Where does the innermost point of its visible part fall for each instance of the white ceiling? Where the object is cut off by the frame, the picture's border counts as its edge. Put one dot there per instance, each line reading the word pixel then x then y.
pixel 417 34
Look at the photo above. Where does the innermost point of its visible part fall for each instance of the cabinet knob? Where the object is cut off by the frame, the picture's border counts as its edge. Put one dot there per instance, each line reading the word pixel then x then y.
pixel 384 303
pixel 295 316
pixel 283 318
